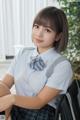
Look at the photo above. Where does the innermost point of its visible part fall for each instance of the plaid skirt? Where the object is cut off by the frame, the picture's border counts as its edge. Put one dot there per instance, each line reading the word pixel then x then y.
pixel 45 113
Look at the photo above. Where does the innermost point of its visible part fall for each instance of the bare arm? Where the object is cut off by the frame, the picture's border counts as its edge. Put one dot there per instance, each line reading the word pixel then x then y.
pixel 34 102
pixel 6 84
pixel 38 101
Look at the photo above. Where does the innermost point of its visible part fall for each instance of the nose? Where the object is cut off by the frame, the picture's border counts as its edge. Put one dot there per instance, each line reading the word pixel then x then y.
pixel 40 32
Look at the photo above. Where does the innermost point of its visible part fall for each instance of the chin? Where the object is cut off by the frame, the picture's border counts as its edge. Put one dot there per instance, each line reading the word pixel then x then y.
pixel 37 44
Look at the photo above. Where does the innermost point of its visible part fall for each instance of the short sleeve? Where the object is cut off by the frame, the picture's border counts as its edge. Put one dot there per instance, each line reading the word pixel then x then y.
pixel 61 77
pixel 12 67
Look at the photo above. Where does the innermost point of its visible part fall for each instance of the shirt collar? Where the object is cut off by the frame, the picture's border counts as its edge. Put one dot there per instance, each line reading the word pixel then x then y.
pixel 35 53
pixel 45 55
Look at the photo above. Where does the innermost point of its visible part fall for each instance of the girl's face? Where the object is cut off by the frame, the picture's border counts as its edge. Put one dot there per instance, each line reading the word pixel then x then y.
pixel 43 37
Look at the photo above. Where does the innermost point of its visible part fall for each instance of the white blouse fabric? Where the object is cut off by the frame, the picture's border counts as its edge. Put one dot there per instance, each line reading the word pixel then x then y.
pixel 29 82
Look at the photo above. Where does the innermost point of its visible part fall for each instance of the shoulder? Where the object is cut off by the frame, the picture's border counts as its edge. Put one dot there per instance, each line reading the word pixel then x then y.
pixel 63 65
pixel 60 60
pixel 25 51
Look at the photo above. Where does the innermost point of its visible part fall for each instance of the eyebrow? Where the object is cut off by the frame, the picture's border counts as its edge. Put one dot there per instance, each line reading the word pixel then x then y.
pixel 42 25
pixel 49 27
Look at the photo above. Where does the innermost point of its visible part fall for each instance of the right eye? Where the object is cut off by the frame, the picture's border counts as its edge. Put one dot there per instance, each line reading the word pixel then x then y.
pixel 36 26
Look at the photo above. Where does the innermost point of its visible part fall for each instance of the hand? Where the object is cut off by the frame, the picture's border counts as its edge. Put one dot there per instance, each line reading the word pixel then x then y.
pixel 7 113
pixel 6 102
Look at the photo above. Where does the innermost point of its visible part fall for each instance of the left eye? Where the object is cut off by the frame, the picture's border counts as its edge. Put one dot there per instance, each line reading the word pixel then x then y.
pixel 36 26
pixel 48 30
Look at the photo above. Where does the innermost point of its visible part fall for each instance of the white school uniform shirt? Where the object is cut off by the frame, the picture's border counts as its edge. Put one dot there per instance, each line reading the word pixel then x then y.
pixel 29 82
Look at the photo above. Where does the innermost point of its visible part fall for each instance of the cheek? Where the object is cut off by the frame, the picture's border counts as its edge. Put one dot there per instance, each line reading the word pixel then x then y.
pixel 32 36
pixel 50 38
pixel 53 38
pixel 33 33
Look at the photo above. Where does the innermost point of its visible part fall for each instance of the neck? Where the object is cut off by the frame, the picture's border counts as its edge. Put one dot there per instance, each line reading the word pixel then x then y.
pixel 41 50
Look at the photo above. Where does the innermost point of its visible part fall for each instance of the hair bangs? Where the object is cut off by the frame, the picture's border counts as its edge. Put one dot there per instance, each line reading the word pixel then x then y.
pixel 46 21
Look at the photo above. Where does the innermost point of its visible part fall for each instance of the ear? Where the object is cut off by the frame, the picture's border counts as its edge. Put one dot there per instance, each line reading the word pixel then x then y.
pixel 58 37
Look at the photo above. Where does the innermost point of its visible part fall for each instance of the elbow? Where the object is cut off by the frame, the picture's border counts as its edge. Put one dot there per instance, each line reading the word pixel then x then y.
pixel 4 90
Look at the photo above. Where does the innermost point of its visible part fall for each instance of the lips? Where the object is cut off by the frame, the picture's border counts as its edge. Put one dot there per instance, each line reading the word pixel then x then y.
pixel 38 40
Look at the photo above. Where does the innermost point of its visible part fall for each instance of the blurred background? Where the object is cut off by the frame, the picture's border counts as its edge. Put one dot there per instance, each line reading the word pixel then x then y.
pixel 16 18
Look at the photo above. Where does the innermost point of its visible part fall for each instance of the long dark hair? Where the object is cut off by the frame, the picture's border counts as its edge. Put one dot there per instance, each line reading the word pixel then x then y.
pixel 57 21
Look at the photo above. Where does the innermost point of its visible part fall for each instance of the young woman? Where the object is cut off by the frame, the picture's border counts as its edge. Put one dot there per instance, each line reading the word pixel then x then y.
pixel 36 91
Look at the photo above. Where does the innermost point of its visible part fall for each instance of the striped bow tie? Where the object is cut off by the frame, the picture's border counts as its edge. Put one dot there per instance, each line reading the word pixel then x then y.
pixel 37 64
